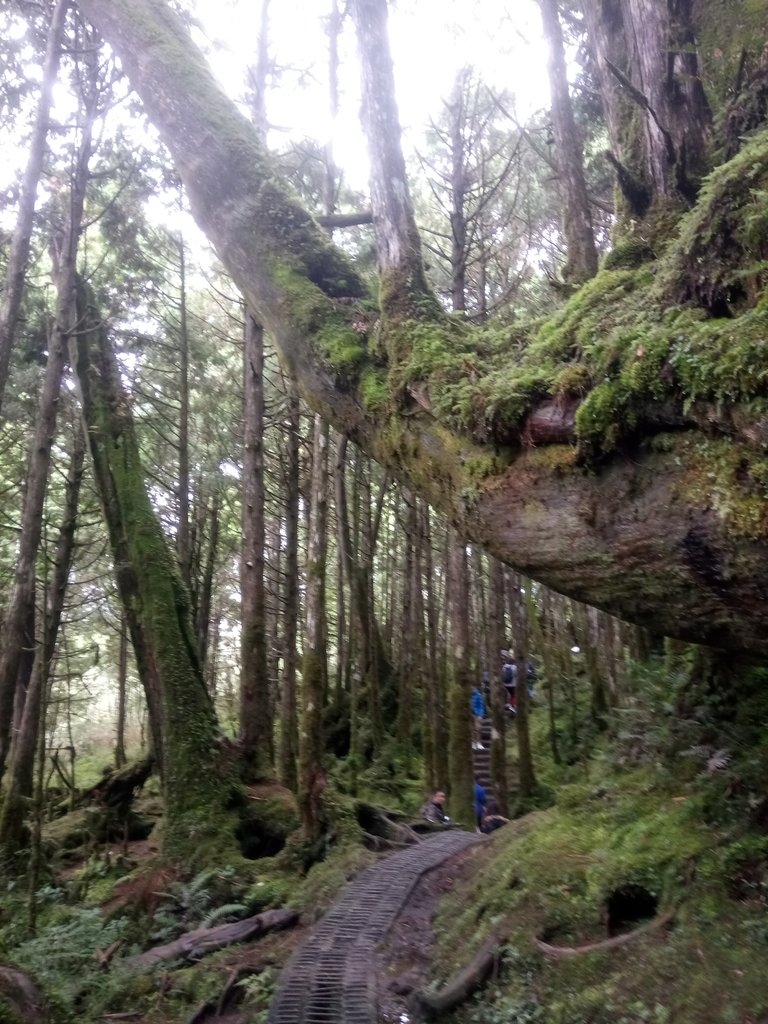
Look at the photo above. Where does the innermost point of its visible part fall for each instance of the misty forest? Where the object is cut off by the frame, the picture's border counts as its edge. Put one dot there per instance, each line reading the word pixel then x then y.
pixel 384 524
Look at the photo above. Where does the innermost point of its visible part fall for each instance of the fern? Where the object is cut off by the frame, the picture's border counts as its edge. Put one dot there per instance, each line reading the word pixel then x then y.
pixel 229 911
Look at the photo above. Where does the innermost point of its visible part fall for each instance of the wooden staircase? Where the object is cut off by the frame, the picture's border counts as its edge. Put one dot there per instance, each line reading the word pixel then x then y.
pixel 481 759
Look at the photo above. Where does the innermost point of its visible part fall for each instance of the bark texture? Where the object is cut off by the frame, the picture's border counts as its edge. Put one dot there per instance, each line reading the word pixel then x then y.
pixel 577 220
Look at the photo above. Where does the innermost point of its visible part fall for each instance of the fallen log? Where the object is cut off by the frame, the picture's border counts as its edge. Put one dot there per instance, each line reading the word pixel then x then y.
pixel 22 994
pixel 561 952
pixel 199 943
pixel 462 985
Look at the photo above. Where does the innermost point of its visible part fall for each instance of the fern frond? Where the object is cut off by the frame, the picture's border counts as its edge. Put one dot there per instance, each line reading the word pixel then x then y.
pixel 233 910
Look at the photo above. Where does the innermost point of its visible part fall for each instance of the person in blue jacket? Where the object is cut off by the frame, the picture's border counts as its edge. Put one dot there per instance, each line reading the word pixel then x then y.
pixel 477 704
pixel 480 800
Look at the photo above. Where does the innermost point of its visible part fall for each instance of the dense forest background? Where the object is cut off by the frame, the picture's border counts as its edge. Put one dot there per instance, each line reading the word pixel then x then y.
pixel 244 576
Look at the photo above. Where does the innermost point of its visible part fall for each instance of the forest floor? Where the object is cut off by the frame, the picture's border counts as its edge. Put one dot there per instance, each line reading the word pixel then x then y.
pixel 403 963
pixel 405 956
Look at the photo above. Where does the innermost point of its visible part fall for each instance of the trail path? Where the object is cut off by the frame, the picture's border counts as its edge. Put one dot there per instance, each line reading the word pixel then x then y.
pixel 332 976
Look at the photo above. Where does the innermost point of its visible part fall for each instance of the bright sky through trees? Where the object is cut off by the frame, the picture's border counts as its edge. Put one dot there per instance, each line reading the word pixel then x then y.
pixel 431 40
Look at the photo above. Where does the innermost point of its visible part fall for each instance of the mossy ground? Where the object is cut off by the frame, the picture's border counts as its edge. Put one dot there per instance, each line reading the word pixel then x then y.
pixel 654 808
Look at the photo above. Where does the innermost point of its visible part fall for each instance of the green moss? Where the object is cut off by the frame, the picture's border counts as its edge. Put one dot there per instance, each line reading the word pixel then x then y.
pixel 373 389
pixel 731 480
pixel 551 874
pixel 628 255
pixel 341 348
pixel 719 256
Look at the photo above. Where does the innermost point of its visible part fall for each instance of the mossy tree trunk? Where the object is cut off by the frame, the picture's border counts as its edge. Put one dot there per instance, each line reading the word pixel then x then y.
pixel 256 727
pixel 658 116
pixel 647 536
pixel 312 779
pixel 196 777
pixel 289 727
pixel 410 639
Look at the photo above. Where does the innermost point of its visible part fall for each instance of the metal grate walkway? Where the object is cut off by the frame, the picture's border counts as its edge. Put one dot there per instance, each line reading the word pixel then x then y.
pixel 331 978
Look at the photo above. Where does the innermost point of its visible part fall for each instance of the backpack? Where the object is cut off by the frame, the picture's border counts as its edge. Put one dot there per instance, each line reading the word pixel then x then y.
pixel 508 674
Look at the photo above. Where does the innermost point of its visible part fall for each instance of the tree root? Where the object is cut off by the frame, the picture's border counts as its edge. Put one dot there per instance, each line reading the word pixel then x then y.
pixel 211 1009
pixel 385 828
pixel 561 952
pixel 462 985
pixel 202 941
pixel 21 992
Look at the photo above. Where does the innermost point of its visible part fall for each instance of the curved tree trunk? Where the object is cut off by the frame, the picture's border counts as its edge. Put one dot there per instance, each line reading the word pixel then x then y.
pixel 647 537
pixel 196 784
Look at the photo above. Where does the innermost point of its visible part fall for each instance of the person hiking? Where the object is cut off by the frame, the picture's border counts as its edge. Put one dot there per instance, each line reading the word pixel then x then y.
pixel 434 809
pixel 509 678
pixel 492 817
pixel 477 704
pixel 480 802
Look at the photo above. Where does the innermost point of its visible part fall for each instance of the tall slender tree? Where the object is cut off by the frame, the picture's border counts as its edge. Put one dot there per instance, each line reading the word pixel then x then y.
pixel 18 256
pixel 577 220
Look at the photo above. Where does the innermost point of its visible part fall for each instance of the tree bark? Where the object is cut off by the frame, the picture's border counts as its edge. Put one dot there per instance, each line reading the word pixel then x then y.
pixel 20 610
pixel 19 782
pixel 462 804
pixel 577 218
pixel 498 693
pixel 256 739
pixel 397 238
pixel 657 113
pixel 518 616
pixel 289 730
pixel 313 674
pixel 122 680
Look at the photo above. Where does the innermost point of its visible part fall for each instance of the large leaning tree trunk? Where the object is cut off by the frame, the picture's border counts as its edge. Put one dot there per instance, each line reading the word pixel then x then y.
pixel 669 537
pixel 196 782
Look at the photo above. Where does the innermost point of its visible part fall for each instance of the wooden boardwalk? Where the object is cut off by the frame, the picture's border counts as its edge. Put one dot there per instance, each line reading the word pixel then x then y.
pixel 332 976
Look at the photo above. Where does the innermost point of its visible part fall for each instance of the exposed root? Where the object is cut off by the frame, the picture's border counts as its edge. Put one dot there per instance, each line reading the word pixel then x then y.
pixel 561 952
pixel 463 984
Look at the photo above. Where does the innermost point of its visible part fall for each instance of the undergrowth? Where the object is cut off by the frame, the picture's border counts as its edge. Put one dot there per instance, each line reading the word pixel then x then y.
pixel 668 803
